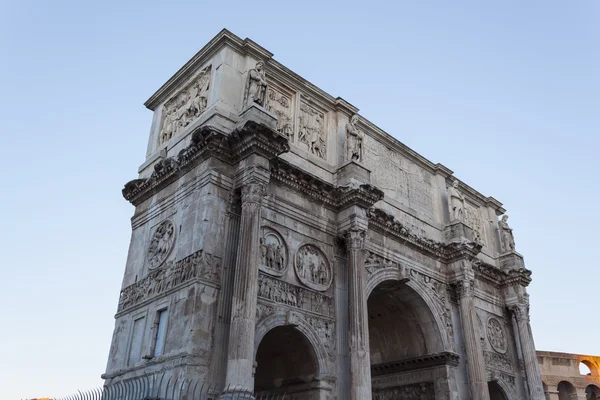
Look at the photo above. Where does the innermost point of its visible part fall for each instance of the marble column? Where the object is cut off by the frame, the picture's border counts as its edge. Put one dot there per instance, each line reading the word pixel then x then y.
pixel 358 322
pixel 240 358
pixel 532 368
pixel 474 353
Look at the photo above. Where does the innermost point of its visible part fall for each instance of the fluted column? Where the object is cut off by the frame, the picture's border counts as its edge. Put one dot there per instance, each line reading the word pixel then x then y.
pixel 245 287
pixel 360 360
pixel 475 361
pixel 532 368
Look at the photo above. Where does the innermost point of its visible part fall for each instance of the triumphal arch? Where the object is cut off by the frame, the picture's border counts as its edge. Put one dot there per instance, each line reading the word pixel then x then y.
pixel 282 242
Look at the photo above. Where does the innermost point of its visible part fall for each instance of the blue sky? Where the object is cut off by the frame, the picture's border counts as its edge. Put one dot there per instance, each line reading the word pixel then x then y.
pixel 504 93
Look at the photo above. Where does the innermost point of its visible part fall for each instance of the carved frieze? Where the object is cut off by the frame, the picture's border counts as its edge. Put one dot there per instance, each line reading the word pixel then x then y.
pixel 311 130
pixel 285 293
pixel 197 265
pixel 501 362
pixel 185 106
pixel 161 244
pixel 273 253
pixel 496 335
pixel 418 391
pixel 281 105
pixel 375 262
pixel 263 311
pixel 312 267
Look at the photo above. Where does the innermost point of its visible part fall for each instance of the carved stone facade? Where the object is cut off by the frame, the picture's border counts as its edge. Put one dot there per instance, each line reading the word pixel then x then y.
pixel 298 248
pixel 570 376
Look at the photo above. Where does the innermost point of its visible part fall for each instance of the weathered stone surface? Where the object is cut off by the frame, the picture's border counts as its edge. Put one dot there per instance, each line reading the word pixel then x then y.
pixel 298 248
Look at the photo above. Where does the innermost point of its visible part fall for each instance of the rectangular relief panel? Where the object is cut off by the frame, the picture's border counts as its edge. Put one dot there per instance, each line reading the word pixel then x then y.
pixel 312 134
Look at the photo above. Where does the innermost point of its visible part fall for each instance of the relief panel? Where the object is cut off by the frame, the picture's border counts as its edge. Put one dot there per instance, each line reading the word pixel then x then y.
pixel 496 335
pixel 474 220
pixel 185 107
pixel 161 244
pixel 312 135
pixel 312 267
pixel 273 252
pixel 281 105
pixel 419 391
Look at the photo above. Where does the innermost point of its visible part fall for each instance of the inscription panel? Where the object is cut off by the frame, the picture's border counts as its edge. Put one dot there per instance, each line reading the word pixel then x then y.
pixel 400 178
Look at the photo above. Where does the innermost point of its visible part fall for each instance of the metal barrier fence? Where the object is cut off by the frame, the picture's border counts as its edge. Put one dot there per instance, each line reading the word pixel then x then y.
pixel 157 387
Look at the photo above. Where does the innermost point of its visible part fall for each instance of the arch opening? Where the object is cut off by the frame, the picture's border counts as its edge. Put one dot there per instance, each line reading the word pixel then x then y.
pixel 496 392
pixel 403 334
pixel 286 363
pixel 584 368
pixel 565 390
pixel 592 392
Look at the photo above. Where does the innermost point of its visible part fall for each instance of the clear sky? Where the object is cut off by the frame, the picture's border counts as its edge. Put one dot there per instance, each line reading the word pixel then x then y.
pixel 504 93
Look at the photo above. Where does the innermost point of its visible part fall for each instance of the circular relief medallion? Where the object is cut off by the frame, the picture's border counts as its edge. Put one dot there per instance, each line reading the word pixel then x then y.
pixel 273 253
pixel 496 335
pixel 161 244
pixel 312 267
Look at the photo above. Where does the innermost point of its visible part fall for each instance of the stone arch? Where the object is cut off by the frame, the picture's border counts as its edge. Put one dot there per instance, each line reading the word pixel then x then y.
pixel 298 323
pixel 592 392
pixel 566 390
pixel 591 366
pixel 394 274
pixel 498 390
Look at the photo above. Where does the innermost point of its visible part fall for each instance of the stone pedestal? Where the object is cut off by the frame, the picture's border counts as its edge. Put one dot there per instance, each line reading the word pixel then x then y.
pixel 532 368
pixel 475 361
pixel 511 260
pixel 457 231
pixel 360 361
pixel 240 358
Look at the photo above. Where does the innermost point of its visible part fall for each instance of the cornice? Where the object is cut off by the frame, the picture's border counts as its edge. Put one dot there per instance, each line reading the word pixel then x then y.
pixel 331 196
pixel 414 363
pixel 208 141
pixel 499 278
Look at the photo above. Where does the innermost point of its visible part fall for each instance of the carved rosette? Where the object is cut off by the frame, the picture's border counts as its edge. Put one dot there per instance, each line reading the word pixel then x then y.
pixel 161 244
pixel 313 268
pixel 496 335
pixel 273 253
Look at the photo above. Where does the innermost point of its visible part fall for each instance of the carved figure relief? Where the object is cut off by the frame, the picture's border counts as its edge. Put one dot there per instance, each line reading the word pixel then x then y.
pixel 354 140
pixel 161 244
pixel 197 265
pixel 417 391
pixel 457 202
pixel 312 130
pixel 496 335
pixel 473 219
pixel 506 234
pixel 280 105
pixel 186 106
pixel 374 262
pixel 497 361
pixel 312 268
pixel 273 253
pixel 256 86
pixel 291 295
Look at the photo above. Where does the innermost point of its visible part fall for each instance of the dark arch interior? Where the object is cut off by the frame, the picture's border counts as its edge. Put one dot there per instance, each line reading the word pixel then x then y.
pixel 285 360
pixel 496 392
pixel 592 392
pixel 565 390
pixel 400 324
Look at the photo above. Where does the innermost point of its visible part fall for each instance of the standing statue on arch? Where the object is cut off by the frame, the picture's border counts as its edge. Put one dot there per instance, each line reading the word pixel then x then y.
pixel 256 86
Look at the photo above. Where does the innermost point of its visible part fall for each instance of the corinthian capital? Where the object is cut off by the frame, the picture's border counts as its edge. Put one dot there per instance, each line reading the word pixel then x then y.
pixel 520 311
pixel 355 239
pixel 252 193
pixel 465 287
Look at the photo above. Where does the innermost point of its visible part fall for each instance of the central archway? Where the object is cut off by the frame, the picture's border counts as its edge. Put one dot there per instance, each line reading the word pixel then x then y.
pixel 405 337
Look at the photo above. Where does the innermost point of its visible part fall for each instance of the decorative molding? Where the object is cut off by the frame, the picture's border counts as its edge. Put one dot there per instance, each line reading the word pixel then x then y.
pixel 197 265
pixel 414 363
pixel 415 391
pixel 501 362
pixel 207 141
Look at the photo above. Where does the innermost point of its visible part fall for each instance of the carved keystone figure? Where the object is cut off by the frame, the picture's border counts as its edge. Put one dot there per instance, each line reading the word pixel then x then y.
pixel 506 234
pixel 457 202
pixel 256 86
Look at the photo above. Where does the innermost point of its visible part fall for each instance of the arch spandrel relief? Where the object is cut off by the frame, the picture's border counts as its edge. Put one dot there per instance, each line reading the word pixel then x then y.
pixel 161 244
pixel 312 268
pixel 273 253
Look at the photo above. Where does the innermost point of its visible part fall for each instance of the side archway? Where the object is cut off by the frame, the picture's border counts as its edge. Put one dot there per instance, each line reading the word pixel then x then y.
pixel 497 391
pixel 295 321
pixel 566 391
